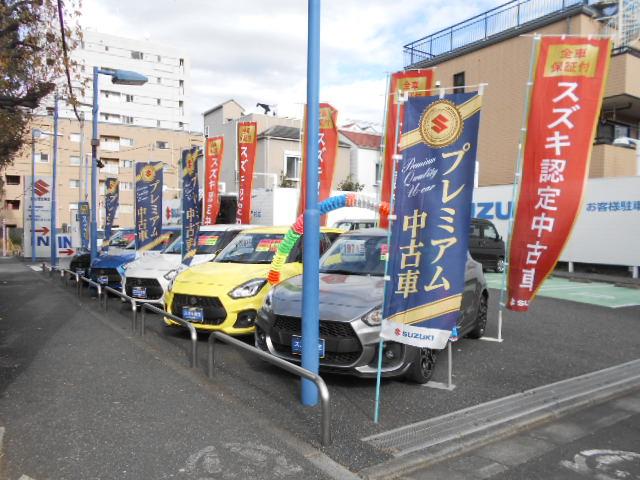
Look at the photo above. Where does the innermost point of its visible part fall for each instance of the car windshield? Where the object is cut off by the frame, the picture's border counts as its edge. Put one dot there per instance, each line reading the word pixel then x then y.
pixel 121 239
pixel 251 248
pixel 208 242
pixel 356 255
pixel 166 239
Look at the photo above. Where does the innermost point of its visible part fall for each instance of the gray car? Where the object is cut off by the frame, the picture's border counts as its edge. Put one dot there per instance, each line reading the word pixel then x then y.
pixel 351 293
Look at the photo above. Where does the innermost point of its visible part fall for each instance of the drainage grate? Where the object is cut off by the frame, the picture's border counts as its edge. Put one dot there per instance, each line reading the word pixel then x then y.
pixel 456 425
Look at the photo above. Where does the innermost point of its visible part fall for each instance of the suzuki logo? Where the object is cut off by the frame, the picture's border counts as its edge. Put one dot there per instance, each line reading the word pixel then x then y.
pixel 439 124
pixel 398 332
pixel 41 188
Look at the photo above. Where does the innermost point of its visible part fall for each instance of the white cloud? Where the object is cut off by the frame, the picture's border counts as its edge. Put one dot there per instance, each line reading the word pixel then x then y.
pixel 255 50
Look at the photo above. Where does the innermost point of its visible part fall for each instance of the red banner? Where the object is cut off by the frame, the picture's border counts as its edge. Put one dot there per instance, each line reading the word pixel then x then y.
pixel 327 152
pixel 247 141
pixel 416 83
pixel 565 105
pixel 213 156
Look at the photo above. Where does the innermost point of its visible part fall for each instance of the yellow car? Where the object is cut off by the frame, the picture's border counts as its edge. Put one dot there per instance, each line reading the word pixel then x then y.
pixel 226 294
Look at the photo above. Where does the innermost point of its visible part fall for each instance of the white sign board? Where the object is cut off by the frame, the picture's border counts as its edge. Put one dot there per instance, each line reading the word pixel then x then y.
pixel 607 230
pixel 42 208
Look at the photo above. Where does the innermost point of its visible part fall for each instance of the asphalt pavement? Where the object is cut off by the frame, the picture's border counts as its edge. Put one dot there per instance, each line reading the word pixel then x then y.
pixel 555 340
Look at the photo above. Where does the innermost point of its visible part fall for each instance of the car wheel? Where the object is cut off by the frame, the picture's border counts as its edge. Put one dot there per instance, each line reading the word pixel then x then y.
pixel 481 319
pixel 421 369
pixel 499 265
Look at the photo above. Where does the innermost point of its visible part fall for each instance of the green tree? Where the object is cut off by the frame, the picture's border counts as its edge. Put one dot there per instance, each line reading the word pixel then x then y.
pixel 36 37
pixel 348 185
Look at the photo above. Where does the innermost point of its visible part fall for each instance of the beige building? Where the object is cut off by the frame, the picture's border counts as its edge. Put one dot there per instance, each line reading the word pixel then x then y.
pixel 121 146
pixel 495 48
pixel 279 147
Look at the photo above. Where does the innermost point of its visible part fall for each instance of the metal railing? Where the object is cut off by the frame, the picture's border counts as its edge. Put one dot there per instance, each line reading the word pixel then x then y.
pixel 192 330
pixel 325 424
pixel 127 298
pixel 511 15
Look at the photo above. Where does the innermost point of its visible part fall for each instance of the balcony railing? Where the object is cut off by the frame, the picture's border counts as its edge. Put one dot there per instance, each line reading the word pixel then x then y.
pixel 512 15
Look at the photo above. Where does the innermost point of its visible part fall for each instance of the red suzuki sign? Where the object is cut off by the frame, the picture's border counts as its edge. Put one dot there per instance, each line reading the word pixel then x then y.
pixel 415 83
pixel 213 164
pixel 247 141
pixel 327 152
pixel 565 105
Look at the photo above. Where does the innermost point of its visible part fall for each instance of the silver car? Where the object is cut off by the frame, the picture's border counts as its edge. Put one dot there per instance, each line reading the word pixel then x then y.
pixel 351 293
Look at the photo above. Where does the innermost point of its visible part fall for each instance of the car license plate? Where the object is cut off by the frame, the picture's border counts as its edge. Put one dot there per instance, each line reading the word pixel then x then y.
pixel 80 271
pixel 139 292
pixel 103 279
pixel 296 345
pixel 193 314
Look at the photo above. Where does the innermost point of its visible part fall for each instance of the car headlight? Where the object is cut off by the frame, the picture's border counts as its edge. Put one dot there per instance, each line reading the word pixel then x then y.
pixel 374 317
pixel 267 306
pixel 248 289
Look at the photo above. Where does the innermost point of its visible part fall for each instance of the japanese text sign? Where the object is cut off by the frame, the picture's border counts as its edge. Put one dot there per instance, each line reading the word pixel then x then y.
pixel 415 83
pixel 148 205
pixel 430 236
pixel 190 203
pixel 83 222
pixel 247 141
pixel 327 152
pixel 565 105
pixel 111 199
pixel 214 153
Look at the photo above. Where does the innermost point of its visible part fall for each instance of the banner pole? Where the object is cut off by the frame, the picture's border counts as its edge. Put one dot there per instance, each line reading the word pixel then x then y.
pixel 383 140
pixel 401 98
pixel 516 182
pixel 450 366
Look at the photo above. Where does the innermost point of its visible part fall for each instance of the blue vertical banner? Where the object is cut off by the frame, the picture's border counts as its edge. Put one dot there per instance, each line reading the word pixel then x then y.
pixel 430 234
pixel 148 205
pixel 190 203
pixel 83 223
pixel 111 200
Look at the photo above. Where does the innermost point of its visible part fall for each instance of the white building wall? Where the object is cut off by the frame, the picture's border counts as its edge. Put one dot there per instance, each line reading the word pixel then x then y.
pixel 366 169
pixel 161 102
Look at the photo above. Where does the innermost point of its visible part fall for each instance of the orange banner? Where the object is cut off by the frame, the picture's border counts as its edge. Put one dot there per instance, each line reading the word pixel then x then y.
pixel 416 83
pixel 327 152
pixel 213 157
pixel 565 106
pixel 247 142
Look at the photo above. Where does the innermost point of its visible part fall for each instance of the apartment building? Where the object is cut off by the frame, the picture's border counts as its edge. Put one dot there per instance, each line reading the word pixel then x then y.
pixel 279 147
pixel 495 47
pixel 161 102
pixel 121 147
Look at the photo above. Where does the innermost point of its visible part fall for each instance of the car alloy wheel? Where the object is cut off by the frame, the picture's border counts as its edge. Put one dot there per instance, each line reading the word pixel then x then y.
pixel 500 265
pixel 421 369
pixel 481 319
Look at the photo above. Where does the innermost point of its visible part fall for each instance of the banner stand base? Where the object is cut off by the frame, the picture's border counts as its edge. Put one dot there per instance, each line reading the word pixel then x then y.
pixel 449 385
pixel 492 339
pixel 499 338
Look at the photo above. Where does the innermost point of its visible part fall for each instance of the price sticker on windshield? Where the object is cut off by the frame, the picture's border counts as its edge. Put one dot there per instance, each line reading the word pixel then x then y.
pixel 208 240
pixel 353 251
pixel 268 245
pixel 384 252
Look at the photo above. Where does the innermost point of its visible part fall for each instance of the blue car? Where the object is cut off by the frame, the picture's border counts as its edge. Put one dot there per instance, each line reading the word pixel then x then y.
pixel 107 269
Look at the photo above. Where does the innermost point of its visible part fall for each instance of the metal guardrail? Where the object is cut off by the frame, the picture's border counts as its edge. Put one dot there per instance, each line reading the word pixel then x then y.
pixel 325 404
pixel 126 298
pixel 181 321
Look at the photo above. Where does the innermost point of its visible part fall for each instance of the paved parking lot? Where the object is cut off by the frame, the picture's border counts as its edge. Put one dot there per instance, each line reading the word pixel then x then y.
pixel 555 340
pixel 601 294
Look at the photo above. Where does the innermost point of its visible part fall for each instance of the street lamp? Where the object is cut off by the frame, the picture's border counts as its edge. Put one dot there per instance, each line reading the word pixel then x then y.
pixel 118 77
pixel 629 142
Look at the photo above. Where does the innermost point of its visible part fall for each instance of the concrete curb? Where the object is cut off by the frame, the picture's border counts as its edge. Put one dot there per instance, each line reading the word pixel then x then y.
pixel 398 466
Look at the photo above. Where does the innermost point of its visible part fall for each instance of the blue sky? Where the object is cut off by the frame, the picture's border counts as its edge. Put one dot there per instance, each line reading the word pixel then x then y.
pixel 255 50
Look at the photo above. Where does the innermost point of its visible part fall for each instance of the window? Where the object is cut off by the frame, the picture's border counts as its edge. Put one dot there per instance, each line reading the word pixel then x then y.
pixel 128 98
pixel 159 59
pixel 378 173
pixel 206 130
pixel 126 186
pixel 12 179
pixel 74 160
pixel 126 163
pixel 74 137
pixel 137 55
pixel 106 48
pixel 73 206
pixel 126 142
pixel 292 166
pixel 180 103
pixel 74 183
pixel 157 123
pixel 110 94
pixel 162 145
pixel 159 80
pixel 42 158
pixel 182 62
pixel 127 120
pixel 166 168
pixel 12 204
pixel 458 82
pixel 490 232
pixel 158 102
pixel 181 83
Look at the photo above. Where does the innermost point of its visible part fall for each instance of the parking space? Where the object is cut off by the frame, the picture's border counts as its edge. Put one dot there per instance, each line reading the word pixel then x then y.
pixel 601 294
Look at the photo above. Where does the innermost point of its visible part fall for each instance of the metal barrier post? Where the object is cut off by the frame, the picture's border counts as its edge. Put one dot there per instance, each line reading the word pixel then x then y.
pixel 210 355
pixel 142 320
pixel 192 330
pixel 325 425
pixel 134 316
